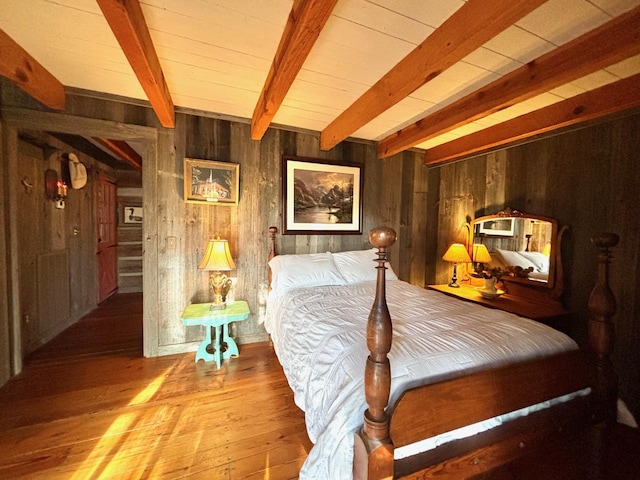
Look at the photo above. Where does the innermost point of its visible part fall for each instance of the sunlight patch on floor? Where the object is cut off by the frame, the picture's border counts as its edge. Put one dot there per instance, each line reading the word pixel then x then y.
pixel 92 467
pixel 147 394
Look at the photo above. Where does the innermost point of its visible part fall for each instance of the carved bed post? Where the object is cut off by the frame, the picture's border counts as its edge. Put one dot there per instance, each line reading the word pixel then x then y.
pixel 558 282
pixel 602 307
pixel 273 248
pixel 377 378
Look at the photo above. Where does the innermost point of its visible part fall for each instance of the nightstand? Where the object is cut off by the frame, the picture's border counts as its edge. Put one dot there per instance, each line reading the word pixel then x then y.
pixel 224 346
pixel 549 313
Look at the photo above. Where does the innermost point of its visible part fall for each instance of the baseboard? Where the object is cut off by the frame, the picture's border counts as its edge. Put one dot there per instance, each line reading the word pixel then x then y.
pixel 252 338
pixel 178 348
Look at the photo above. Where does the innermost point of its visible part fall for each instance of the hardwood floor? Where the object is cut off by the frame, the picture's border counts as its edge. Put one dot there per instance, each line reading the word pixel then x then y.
pixel 88 405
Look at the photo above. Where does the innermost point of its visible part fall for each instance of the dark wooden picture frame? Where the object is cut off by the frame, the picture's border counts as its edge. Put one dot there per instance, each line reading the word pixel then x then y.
pixel 209 182
pixel 321 196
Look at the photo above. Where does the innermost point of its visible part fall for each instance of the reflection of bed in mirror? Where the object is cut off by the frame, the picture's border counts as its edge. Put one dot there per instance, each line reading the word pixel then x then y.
pixel 526 248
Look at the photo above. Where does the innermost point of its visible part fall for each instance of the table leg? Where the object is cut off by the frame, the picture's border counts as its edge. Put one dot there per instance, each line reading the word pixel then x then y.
pixel 218 353
pixel 202 353
pixel 231 346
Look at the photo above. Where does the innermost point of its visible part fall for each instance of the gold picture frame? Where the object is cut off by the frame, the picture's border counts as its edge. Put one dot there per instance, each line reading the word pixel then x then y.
pixel 209 182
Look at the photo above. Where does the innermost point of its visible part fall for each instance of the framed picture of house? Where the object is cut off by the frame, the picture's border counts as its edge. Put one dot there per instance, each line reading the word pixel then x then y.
pixel 321 196
pixel 209 182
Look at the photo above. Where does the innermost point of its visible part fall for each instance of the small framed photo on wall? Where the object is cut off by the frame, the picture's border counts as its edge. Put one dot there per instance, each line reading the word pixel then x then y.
pixel 132 215
pixel 210 182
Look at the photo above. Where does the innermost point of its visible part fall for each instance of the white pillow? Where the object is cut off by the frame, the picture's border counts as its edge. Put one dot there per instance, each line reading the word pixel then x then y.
pixel 513 259
pixel 359 266
pixel 539 259
pixel 495 261
pixel 304 270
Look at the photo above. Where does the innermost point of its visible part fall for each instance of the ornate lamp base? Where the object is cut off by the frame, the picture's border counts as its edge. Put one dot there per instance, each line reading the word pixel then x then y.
pixel 220 285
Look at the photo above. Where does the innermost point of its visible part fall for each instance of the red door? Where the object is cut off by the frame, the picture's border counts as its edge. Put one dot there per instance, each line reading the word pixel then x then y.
pixel 107 243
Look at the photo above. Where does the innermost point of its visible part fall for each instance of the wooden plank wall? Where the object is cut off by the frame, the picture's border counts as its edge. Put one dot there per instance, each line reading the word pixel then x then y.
pixel 66 237
pixel 246 225
pixel 52 279
pixel 588 180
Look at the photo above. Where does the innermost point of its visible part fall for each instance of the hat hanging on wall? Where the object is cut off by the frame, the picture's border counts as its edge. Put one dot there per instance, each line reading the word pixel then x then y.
pixel 77 172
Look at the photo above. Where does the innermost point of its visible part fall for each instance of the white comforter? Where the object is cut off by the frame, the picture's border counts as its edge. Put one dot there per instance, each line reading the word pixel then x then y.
pixel 319 335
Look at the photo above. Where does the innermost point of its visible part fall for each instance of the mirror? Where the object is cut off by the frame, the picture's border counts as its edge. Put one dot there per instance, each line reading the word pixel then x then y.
pixel 524 247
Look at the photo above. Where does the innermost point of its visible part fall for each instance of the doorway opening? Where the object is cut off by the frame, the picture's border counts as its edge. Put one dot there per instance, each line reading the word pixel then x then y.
pixel 87 227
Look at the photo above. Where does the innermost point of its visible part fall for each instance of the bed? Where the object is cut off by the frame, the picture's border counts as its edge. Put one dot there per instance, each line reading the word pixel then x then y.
pixel 535 263
pixel 440 386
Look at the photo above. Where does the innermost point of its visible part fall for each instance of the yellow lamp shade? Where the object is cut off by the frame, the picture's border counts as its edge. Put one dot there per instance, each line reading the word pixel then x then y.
pixel 480 253
pixel 457 253
pixel 217 256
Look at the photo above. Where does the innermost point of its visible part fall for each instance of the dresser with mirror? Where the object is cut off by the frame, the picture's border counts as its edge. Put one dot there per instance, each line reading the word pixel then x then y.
pixel 526 258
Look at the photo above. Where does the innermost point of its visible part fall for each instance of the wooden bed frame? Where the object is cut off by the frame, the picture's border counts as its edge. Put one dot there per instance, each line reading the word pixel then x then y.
pixel 426 411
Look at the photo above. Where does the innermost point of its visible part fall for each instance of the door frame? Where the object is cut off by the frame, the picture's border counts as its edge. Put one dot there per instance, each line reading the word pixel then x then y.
pixel 13 119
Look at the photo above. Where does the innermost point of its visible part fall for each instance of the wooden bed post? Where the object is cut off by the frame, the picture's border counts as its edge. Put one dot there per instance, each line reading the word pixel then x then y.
pixel 602 307
pixel 373 444
pixel 273 248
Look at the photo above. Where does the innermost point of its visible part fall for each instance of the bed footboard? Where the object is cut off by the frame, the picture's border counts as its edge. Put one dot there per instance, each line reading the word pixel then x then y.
pixel 427 411
pixel 431 410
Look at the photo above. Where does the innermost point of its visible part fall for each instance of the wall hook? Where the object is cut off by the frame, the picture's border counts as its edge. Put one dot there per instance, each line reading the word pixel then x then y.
pixel 28 186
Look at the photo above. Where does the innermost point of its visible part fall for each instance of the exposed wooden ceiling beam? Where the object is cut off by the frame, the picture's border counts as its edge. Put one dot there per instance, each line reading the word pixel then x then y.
pixel 598 49
pixel 22 69
pixel 470 27
pixel 87 147
pixel 123 150
pixel 603 101
pixel 306 20
pixel 130 29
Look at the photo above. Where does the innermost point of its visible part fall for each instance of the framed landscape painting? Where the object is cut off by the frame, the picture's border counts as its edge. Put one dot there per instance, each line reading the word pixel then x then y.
pixel 211 183
pixel 321 196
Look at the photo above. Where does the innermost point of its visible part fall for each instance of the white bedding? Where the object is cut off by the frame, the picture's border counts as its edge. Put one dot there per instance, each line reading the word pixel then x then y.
pixel 319 335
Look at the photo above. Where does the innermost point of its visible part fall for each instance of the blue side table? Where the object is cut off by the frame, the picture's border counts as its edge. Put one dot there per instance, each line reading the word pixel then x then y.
pixel 201 314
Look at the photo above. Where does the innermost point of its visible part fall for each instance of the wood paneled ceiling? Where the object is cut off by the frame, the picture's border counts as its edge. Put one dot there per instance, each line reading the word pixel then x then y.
pixel 448 76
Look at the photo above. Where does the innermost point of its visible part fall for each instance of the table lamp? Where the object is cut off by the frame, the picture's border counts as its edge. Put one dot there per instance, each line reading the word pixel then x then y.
pixel 217 259
pixel 456 253
pixel 480 257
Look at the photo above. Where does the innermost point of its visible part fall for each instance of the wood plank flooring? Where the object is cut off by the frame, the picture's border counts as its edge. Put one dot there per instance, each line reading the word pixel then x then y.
pixel 88 405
